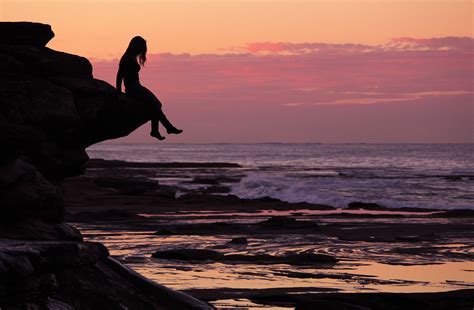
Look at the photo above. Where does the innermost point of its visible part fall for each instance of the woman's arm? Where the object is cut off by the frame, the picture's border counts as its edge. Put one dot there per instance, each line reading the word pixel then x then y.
pixel 118 81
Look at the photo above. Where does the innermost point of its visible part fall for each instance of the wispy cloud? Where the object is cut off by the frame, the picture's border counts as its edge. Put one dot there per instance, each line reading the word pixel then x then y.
pixel 464 44
pixel 374 97
pixel 400 44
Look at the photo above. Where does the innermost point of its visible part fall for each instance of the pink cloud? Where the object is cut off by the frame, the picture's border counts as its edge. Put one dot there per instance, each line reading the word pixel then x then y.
pixel 265 46
pixel 223 96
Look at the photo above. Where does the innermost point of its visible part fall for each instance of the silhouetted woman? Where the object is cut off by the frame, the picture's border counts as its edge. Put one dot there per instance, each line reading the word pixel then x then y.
pixel 130 63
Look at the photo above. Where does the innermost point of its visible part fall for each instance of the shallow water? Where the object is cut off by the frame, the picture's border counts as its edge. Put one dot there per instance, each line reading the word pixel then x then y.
pixel 362 266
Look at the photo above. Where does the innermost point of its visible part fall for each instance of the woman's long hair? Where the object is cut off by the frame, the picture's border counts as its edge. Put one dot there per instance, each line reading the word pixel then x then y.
pixel 137 48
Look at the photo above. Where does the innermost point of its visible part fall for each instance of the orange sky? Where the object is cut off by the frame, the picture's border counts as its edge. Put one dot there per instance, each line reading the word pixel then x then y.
pixel 102 28
pixel 284 71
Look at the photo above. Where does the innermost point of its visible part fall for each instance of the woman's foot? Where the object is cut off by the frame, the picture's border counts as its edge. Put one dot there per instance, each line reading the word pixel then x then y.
pixel 174 131
pixel 157 135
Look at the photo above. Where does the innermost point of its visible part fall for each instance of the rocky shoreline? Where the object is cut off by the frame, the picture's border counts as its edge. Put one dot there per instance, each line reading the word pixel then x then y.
pixel 211 233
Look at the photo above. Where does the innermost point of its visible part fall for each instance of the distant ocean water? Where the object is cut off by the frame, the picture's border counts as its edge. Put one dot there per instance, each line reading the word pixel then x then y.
pixel 394 175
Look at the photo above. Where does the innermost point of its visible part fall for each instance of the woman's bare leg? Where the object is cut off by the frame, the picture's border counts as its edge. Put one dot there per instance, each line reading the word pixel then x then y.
pixel 155 131
pixel 170 129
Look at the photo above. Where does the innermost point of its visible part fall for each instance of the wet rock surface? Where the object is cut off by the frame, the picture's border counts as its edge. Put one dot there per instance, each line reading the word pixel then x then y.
pixel 215 256
pixel 304 298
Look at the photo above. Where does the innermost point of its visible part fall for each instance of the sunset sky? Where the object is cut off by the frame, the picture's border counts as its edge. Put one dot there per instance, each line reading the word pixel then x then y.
pixel 284 71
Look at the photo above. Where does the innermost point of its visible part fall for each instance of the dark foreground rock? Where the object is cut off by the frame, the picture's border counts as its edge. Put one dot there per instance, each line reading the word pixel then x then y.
pixel 77 275
pixel 51 109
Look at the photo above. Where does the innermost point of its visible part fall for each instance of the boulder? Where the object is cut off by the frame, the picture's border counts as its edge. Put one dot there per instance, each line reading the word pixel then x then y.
pixel 25 33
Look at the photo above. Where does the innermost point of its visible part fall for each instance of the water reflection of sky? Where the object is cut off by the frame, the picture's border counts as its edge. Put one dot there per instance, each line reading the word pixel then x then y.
pixel 363 266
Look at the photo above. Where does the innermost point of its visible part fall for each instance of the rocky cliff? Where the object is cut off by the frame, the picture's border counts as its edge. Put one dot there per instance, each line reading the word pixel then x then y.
pixel 51 109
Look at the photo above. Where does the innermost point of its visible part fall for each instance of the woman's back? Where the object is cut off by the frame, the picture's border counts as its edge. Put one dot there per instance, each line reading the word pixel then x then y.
pixel 129 69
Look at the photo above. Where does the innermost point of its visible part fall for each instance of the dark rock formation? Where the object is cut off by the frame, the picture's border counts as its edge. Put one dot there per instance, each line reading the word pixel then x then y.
pixel 238 241
pixel 189 255
pixel 51 109
pixel 34 34
pixel 203 255
pixel 356 205
pixel 102 163
pixel 324 298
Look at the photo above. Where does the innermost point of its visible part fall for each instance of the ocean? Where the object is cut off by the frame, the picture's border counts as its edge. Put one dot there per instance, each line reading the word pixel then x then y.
pixel 435 176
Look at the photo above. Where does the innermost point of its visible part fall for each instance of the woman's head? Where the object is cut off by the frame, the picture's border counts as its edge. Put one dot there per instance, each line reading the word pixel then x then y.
pixel 137 48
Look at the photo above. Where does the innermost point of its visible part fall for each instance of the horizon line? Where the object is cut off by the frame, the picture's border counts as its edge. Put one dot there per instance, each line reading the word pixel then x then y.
pixel 326 143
